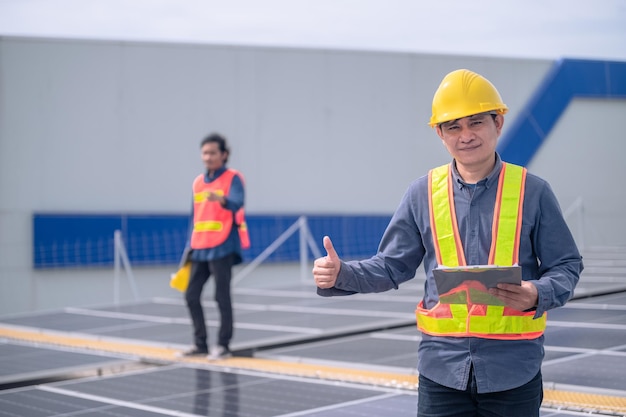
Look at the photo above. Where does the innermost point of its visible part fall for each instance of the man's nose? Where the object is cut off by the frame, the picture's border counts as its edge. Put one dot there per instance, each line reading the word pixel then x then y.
pixel 466 134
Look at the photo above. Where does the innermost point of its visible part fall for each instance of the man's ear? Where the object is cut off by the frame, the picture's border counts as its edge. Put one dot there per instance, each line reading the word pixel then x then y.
pixel 439 132
pixel 499 121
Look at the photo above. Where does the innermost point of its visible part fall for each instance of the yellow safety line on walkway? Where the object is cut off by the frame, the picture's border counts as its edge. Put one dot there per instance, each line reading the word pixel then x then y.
pixel 91 344
pixel 255 364
pixel 580 401
pixel 576 401
pixel 382 379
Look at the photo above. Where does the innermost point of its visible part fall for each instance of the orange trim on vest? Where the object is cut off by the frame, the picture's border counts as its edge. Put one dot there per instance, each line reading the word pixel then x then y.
pixel 433 226
pixel 515 191
pixel 455 226
pixel 242 228
pixel 447 204
pixel 496 217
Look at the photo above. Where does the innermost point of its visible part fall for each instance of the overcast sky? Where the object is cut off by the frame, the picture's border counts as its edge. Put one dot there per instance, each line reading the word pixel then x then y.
pixel 594 29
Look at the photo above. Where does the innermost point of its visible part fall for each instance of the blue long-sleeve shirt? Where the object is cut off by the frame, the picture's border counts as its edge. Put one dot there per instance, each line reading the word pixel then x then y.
pixel 234 201
pixel 548 256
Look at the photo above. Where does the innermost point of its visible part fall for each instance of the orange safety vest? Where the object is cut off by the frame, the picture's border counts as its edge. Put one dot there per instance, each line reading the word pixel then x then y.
pixel 467 318
pixel 212 223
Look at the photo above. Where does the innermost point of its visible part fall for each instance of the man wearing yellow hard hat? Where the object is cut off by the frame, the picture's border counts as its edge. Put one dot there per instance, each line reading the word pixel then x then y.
pixel 476 357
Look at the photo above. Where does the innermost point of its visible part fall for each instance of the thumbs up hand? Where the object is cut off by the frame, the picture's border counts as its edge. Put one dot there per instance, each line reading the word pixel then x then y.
pixel 326 268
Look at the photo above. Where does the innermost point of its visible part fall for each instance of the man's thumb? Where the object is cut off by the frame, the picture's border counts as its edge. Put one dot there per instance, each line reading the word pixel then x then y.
pixel 330 249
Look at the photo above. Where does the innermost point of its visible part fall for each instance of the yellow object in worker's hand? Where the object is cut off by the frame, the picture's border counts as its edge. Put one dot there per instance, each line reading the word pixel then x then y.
pixel 180 279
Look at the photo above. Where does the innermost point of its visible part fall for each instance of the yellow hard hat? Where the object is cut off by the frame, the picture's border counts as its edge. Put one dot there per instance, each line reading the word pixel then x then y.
pixel 464 93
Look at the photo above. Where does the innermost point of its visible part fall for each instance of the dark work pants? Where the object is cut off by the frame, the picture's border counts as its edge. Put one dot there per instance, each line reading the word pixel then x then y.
pixel 435 400
pixel 221 269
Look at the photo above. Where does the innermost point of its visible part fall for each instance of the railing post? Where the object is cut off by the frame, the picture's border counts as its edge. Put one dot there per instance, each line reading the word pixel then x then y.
pixel 581 225
pixel 117 238
pixel 121 257
pixel 304 251
pixel 306 242
pixel 578 207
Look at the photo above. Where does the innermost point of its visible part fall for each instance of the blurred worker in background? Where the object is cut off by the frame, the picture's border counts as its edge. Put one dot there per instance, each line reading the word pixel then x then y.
pixel 217 235
pixel 473 359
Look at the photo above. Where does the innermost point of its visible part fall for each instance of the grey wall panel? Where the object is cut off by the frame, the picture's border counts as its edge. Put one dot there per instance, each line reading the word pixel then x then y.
pixel 119 123
pixel 59 125
pixel 583 160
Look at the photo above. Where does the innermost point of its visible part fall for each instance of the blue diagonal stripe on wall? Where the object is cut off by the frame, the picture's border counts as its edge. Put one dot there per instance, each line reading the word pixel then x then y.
pixel 568 79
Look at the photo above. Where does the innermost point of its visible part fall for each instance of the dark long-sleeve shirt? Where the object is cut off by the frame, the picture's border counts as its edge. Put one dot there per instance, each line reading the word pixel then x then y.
pixel 548 257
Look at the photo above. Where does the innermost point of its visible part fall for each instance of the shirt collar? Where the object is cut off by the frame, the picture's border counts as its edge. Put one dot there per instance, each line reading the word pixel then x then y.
pixel 488 181
pixel 216 174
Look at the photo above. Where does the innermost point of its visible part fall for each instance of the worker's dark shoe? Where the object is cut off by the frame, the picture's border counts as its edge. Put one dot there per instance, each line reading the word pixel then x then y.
pixel 219 352
pixel 195 351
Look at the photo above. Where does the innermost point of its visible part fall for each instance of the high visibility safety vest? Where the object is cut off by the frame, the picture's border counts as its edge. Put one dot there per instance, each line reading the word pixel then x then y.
pixel 212 223
pixel 473 319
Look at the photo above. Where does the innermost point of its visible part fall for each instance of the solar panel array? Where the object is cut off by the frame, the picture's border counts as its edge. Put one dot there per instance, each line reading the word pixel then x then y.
pixel 286 322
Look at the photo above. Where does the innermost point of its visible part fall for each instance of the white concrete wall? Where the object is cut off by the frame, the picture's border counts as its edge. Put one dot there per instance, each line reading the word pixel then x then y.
pixel 91 126
pixel 582 160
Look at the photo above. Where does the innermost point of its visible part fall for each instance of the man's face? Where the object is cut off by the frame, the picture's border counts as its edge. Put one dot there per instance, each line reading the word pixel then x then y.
pixel 212 157
pixel 472 140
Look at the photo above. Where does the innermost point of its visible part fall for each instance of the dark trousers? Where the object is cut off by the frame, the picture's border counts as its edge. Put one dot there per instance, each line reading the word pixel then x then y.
pixel 435 400
pixel 221 269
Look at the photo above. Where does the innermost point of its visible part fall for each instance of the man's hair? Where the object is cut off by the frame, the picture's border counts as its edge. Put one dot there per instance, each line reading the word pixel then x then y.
pixel 221 143
pixel 493 115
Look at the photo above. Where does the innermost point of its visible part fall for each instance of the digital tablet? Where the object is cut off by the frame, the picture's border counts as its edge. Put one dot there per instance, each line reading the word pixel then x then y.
pixel 475 280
